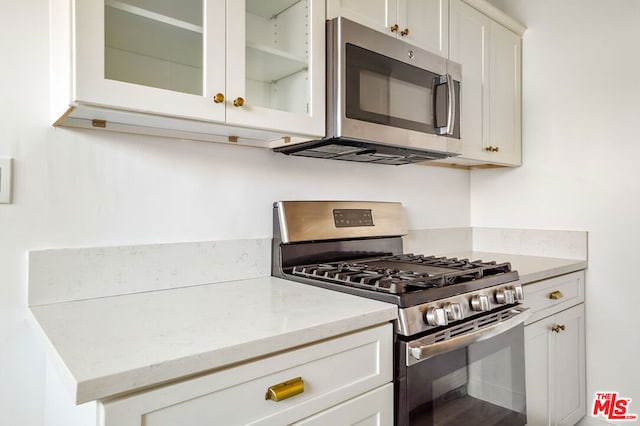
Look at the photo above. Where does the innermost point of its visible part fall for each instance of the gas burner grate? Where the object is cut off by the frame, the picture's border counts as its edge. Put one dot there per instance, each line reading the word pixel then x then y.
pixel 388 280
pixel 398 281
pixel 479 267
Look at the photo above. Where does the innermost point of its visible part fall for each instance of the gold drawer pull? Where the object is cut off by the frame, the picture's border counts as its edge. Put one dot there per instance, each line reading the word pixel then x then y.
pixel 558 328
pixel 555 295
pixel 285 390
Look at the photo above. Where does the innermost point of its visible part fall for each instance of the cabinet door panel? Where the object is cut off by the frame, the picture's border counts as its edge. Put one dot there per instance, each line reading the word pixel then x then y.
pixel 275 65
pixel 377 14
pixel 374 408
pixel 148 57
pixel 468 45
pixel 570 367
pixel 505 94
pixel 538 348
pixel 427 22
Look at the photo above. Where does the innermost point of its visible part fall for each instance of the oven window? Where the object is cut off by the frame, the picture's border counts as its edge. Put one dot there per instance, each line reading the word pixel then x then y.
pixel 483 383
pixel 386 91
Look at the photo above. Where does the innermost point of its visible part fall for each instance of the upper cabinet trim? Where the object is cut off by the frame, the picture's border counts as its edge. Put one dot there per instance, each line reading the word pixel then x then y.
pixel 497 15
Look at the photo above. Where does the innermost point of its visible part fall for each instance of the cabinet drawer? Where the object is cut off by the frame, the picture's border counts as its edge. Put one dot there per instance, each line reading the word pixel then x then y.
pixel 374 408
pixel 547 297
pixel 333 371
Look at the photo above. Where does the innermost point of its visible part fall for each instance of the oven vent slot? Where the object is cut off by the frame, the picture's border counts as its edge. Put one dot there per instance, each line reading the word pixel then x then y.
pixel 471 326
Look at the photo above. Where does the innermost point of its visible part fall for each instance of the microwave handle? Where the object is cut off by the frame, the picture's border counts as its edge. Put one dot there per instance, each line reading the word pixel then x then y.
pixel 420 351
pixel 451 105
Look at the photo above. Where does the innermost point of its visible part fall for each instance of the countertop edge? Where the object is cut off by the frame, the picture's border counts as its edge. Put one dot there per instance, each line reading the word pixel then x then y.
pixel 198 363
pixel 553 272
pixel 209 362
pixel 530 268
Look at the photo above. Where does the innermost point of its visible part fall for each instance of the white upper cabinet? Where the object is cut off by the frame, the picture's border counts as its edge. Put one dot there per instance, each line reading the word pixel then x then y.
pixel 505 101
pixel 423 23
pixel 195 67
pixel 273 47
pixel 490 54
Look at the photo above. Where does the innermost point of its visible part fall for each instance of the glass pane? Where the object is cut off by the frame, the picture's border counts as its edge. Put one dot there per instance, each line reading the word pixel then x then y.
pixel 277 52
pixel 482 381
pixel 155 43
pixel 386 91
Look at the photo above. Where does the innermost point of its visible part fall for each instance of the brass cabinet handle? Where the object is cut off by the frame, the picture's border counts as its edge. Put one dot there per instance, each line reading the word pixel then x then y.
pixel 404 32
pixel 555 295
pixel 238 102
pixel 394 28
pixel 285 390
pixel 557 328
pixel 218 98
pixel 492 149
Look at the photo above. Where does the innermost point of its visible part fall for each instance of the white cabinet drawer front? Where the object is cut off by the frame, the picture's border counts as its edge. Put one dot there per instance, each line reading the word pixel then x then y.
pixel 333 371
pixel 553 295
pixel 374 408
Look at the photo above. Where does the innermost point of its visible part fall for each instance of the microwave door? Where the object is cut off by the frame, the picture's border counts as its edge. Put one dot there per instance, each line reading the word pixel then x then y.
pixel 382 90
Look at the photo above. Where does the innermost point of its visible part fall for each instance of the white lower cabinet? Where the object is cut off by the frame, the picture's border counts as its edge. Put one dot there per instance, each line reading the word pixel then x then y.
pixel 345 380
pixel 374 408
pixel 555 351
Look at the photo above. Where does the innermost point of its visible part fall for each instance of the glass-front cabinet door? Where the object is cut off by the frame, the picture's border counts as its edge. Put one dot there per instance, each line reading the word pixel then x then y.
pixel 154 56
pixel 275 65
pixel 255 64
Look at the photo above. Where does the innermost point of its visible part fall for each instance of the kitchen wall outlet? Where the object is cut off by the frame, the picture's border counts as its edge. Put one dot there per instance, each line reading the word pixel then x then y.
pixel 6 174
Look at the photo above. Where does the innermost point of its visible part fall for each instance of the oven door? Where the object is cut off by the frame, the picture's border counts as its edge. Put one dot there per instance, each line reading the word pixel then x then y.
pixel 474 376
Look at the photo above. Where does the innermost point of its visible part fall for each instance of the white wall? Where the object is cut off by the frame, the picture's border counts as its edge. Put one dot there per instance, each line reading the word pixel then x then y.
pixel 90 188
pixel 581 127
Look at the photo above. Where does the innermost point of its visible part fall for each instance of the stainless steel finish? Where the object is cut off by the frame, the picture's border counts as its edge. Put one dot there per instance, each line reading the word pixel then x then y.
pixel 341 31
pixel 519 292
pixel 430 346
pixel 451 106
pixel 436 317
pixel 314 220
pixel 412 320
pixel 505 296
pixel 480 303
pixel 454 311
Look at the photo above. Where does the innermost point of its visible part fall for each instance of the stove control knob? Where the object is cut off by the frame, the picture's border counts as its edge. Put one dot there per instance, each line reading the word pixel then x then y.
pixel 454 311
pixel 506 296
pixel 436 316
pixel 519 292
pixel 480 303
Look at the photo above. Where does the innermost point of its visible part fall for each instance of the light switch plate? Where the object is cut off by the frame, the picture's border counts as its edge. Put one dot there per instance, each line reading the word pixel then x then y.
pixel 6 177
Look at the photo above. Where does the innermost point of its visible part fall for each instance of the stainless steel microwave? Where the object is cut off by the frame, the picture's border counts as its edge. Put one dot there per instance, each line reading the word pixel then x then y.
pixel 388 102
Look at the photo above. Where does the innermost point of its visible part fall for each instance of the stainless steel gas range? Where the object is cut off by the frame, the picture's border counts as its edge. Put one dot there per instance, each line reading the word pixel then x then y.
pixel 459 337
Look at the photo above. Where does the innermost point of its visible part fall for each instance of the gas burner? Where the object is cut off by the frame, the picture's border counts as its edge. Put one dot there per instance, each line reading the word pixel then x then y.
pixel 413 272
pixel 361 275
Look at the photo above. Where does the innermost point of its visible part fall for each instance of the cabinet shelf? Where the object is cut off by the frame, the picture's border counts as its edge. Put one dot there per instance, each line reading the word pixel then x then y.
pixel 145 13
pixel 267 64
pixel 269 9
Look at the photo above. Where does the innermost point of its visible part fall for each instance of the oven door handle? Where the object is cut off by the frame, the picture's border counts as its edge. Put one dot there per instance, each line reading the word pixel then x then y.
pixel 422 349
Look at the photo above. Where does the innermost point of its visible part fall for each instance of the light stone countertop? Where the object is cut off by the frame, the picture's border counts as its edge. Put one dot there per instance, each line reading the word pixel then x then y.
pixel 530 268
pixel 118 344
